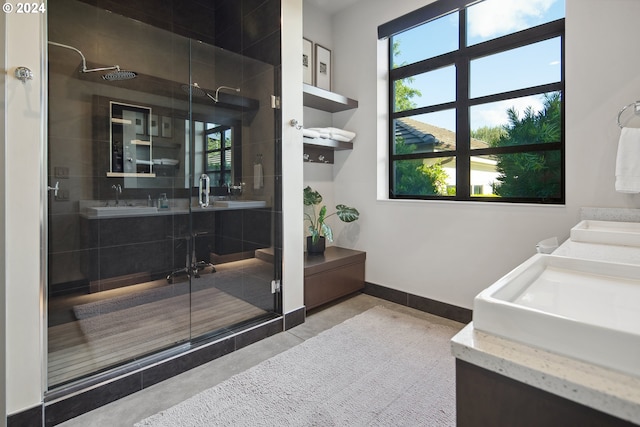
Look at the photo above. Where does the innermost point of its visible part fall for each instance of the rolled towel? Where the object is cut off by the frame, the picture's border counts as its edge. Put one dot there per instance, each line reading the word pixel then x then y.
pixel 345 133
pixel 627 161
pixel 309 133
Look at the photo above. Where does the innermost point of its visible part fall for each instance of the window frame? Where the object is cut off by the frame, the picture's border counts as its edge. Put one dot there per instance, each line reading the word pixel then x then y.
pixel 461 59
pixel 225 169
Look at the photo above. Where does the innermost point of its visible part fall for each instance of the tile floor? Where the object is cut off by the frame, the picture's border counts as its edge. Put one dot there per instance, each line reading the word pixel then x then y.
pixel 133 408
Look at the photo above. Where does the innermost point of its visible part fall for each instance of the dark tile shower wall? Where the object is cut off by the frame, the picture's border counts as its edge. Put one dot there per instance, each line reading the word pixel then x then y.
pixel 247 27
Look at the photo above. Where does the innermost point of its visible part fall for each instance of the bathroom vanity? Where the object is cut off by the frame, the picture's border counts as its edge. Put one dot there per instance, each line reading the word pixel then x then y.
pixel 162 240
pixel 556 341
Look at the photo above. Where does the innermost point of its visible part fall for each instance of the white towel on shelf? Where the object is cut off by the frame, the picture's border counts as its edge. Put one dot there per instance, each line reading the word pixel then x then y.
pixel 337 131
pixel 309 133
pixel 323 132
pixel 628 161
pixel 339 137
pixel 258 176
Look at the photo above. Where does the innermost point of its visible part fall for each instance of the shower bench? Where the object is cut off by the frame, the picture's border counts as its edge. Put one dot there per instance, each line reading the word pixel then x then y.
pixel 330 276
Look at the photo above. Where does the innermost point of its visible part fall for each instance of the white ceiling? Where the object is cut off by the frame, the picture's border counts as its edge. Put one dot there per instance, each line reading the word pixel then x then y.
pixel 332 6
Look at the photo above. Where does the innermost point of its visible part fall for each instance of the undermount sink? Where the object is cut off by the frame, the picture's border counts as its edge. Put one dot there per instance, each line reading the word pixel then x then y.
pixel 607 232
pixel 120 210
pixel 244 204
pixel 583 309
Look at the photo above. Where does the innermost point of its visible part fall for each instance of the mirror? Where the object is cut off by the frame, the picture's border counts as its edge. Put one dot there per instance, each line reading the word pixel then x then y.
pixel 150 146
pixel 131 140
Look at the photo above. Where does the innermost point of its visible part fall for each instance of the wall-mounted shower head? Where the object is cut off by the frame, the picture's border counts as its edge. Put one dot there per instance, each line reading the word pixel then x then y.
pixel 237 89
pixel 196 90
pixel 115 74
pixel 119 74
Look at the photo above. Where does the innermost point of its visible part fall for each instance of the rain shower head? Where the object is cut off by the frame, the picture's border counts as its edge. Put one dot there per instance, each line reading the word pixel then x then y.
pixel 119 74
pixel 115 74
pixel 196 90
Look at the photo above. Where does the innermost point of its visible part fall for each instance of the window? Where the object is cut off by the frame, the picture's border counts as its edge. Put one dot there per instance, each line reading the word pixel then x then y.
pixel 477 101
pixel 217 153
pixel 217 158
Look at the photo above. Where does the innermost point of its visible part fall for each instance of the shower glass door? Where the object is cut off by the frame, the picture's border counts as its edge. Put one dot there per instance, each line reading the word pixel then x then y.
pixel 161 233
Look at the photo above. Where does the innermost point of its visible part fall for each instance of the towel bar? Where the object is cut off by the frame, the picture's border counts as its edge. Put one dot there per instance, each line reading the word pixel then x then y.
pixel 637 111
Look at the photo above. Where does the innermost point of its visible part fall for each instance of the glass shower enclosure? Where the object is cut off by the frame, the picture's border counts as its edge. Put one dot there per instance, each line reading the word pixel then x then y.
pixel 162 147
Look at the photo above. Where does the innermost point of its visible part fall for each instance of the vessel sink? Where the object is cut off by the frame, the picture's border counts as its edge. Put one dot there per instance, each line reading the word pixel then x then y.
pixel 240 204
pixel 607 232
pixel 105 211
pixel 584 309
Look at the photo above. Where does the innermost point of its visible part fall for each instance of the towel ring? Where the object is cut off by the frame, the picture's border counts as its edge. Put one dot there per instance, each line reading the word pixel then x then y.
pixel 636 104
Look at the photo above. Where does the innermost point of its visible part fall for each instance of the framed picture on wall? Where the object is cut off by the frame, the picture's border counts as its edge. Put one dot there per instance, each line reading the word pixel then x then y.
pixel 307 61
pixel 153 125
pixel 166 127
pixel 323 67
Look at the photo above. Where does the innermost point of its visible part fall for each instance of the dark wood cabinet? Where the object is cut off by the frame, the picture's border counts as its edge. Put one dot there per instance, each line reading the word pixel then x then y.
pixel 336 273
pixel 486 398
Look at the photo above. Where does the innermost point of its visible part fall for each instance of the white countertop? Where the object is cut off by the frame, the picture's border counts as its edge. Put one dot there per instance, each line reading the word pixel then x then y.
pixel 170 211
pixel 606 390
pixel 599 252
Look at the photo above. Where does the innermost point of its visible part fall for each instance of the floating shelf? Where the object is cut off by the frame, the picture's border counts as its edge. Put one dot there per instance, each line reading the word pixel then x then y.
pixel 130 175
pixel 327 143
pixel 321 99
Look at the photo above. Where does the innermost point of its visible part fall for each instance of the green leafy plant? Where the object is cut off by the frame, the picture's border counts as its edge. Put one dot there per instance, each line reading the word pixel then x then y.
pixel 317 216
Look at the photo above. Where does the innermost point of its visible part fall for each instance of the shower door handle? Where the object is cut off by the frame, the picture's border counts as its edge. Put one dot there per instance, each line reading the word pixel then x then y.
pixel 203 191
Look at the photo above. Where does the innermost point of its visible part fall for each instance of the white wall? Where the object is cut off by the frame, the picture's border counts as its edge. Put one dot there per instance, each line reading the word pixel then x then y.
pixel 293 273
pixel 23 192
pixel 3 240
pixel 450 251
pixel 318 28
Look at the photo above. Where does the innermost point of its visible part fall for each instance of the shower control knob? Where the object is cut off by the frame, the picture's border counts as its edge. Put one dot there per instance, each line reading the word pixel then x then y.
pixel 23 74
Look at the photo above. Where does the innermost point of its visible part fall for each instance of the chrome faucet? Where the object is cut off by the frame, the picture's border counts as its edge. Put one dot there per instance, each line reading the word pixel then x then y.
pixel 118 189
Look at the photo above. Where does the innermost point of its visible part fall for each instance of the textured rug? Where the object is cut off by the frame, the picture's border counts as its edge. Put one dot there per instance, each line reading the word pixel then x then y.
pixel 380 368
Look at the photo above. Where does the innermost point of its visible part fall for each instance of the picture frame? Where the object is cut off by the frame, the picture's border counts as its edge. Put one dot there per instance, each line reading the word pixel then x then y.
pixel 166 127
pixel 140 123
pixel 307 61
pixel 323 67
pixel 153 125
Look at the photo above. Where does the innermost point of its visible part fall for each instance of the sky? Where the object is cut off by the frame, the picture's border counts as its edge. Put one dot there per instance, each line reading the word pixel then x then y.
pixel 527 66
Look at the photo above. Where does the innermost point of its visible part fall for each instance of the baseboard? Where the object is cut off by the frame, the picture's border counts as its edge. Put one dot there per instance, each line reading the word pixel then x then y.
pixel 448 311
pixel 295 318
pixel 26 418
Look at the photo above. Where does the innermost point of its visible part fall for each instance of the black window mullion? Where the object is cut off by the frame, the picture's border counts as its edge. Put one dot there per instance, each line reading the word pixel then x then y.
pixel 518 93
pixel 463 163
pixel 392 136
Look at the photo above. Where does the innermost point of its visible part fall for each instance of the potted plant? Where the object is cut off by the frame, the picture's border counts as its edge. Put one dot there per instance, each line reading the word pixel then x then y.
pixel 318 227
